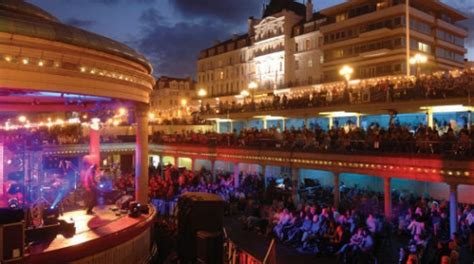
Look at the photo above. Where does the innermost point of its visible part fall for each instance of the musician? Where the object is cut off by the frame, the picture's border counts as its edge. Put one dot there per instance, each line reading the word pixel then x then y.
pixel 88 177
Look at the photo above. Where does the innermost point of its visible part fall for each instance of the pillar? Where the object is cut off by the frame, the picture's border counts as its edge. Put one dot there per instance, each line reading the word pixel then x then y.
pixel 295 180
pixel 218 127
pixel 469 119
pixel 429 118
pixel 192 164
pixel 236 175
pixel 387 195
pixel 213 173
pixel 453 208
pixel 283 124
pixel 264 170
pixel 337 196
pixel 331 122
pixel 358 120
pixel 141 154
pixel 94 143
pixel 231 126
pixel 265 126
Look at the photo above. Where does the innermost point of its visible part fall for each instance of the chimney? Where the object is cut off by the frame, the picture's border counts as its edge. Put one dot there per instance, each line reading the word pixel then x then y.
pixel 250 26
pixel 309 10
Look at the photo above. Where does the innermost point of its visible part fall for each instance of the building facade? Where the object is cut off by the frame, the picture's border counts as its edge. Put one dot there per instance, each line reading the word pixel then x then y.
pixel 291 46
pixel 171 97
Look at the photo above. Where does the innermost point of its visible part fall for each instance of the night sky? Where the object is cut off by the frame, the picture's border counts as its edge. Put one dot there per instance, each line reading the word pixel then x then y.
pixel 172 32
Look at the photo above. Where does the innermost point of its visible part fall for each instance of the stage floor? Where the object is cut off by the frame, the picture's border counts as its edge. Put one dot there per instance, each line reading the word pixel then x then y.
pixel 103 229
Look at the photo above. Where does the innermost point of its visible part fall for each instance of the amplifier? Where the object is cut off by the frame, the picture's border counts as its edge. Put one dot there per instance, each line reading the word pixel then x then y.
pixel 12 242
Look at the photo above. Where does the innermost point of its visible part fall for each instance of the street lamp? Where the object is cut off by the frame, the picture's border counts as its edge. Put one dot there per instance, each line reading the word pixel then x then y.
pixel 346 72
pixel 244 93
pixel 417 60
pixel 202 92
pixel 252 87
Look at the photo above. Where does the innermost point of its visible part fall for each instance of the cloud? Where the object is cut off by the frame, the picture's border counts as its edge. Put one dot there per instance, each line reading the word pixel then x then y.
pixel 114 2
pixel 173 48
pixel 82 23
pixel 227 11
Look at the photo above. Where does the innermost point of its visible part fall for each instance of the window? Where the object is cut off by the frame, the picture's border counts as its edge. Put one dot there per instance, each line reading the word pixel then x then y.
pixel 221 75
pixel 297 65
pixel 296 47
pixel 310 63
pixel 308 44
pixel 424 47
pixel 341 17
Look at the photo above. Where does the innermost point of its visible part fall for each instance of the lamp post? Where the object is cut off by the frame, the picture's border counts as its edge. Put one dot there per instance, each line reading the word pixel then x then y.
pixel 252 87
pixel 201 94
pixel 418 60
pixel 346 71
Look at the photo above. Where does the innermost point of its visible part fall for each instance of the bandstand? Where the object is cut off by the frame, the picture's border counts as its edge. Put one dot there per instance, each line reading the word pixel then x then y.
pixel 49 69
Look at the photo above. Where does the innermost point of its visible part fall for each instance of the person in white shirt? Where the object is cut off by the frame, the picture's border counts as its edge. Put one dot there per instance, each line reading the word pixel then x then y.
pixel 371 223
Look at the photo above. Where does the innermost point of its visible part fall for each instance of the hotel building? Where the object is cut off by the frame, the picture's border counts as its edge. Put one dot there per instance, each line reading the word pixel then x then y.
pixel 291 46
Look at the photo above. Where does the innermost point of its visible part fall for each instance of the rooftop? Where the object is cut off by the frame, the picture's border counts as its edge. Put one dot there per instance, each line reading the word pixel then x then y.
pixel 18 17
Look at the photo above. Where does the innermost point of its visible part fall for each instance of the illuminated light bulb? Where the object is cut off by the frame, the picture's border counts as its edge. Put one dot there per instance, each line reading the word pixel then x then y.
pixel 151 115
pixel 59 121
pixel 25 61
pixel 57 64
pixel 83 69
pixel 116 122
pixel 22 119
pixel 8 58
pixel 41 63
pixel 92 71
pixel 122 111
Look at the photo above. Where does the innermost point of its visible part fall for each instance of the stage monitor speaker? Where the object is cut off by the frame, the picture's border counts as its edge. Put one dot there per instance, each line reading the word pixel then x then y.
pixel 197 212
pixel 12 242
pixel 10 216
pixel 209 247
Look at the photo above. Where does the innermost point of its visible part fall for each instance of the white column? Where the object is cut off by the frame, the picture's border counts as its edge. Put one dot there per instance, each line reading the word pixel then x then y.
pixel 358 120
pixel 141 154
pixel 265 125
pixel 231 126
pixel 453 208
pixel 192 164
pixel 429 118
pixel 218 127
pixel 331 122
pixel 387 197
pixel 283 124
pixel 236 175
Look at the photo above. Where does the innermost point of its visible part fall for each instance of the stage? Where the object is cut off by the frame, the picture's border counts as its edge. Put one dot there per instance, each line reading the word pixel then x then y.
pixel 103 236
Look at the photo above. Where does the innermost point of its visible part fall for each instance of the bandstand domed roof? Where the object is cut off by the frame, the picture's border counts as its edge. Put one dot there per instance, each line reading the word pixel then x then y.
pixel 22 18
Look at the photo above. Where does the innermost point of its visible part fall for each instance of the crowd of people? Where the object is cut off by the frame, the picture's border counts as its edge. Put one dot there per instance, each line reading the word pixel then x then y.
pixel 457 84
pixel 346 139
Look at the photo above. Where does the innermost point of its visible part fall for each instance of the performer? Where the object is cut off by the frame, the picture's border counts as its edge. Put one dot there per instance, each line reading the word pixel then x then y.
pixel 89 182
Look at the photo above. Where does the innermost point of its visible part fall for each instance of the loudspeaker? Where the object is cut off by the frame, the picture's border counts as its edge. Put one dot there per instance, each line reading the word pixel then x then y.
pixel 12 242
pixel 209 247
pixel 198 212
pixel 10 216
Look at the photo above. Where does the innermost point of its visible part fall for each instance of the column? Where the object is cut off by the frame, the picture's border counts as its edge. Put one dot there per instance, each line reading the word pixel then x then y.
pixel 358 120
pixel 337 194
pixel 429 118
pixel 213 173
pixel 218 127
pixel 265 126
pixel 283 124
pixel 295 180
pixel 453 208
pixel 387 195
pixel 469 119
pixel 141 154
pixel 176 161
pixel 192 164
pixel 94 143
pixel 331 122
pixel 231 126
pixel 264 170
pixel 236 175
